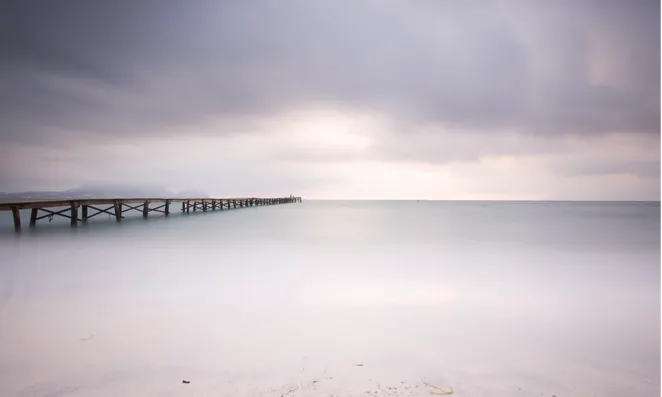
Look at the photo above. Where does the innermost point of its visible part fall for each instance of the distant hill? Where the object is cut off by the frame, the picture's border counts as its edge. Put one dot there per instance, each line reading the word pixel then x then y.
pixel 105 191
pixel 190 193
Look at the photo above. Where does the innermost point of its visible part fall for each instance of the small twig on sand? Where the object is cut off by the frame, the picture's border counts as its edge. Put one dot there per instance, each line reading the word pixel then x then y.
pixel 438 390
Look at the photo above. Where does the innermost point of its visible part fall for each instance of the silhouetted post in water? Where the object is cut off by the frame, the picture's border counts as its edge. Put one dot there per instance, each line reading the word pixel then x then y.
pixel 74 213
pixel 118 210
pixel 17 218
pixel 167 208
pixel 33 217
pixel 84 213
pixel 145 209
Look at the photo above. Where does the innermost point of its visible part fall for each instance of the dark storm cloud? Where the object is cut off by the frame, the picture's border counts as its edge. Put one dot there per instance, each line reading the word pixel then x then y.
pixel 135 67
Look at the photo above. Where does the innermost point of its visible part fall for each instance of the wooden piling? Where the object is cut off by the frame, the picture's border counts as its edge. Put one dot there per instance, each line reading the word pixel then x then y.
pixel 85 213
pixel 17 219
pixel 74 213
pixel 167 208
pixel 33 217
pixel 118 210
pixel 145 209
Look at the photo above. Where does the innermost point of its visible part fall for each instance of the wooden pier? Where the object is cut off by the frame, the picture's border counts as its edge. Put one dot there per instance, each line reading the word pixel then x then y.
pixel 116 207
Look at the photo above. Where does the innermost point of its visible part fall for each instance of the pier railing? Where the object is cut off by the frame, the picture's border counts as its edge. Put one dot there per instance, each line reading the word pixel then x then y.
pixel 116 207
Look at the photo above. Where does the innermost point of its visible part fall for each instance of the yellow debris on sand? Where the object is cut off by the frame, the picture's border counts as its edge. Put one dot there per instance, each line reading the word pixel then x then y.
pixel 438 390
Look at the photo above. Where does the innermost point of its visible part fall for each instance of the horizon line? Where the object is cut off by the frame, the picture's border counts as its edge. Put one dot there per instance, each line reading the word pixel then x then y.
pixel 485 200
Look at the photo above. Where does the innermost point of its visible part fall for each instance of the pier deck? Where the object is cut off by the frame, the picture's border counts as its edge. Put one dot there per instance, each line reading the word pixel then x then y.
pixel 91 207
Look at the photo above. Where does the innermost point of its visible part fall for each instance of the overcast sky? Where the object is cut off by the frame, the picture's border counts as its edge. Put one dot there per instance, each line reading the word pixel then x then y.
pixel 447 99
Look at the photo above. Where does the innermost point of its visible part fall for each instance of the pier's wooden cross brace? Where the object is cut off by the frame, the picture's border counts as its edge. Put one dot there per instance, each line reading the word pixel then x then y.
pixel 204 205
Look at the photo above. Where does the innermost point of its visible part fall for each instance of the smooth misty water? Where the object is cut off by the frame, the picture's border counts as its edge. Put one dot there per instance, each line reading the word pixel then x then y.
pixel 491 299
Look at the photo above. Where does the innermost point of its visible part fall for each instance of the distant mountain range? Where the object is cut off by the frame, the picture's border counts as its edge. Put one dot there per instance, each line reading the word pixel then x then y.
pixel 106 191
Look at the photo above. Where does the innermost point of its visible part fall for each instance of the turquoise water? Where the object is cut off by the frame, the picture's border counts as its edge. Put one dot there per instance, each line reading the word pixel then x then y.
pixel 489 298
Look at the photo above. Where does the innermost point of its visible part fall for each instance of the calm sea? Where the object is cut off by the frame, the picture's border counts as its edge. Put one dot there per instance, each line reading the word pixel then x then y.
pixel 337 298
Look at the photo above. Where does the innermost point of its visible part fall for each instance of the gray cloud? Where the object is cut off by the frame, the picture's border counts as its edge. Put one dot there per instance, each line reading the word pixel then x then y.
pixel 431 91
pixel 128 67
pixel 644 169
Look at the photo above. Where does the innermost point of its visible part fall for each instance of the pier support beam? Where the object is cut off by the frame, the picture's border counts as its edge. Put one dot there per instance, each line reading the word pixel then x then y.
pixel 167 207
pixel 17 219
pixel 145 209
pixel 74 213
pixel 118 210
pixel 85 216
pixel 33 217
